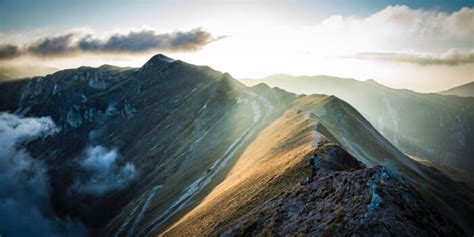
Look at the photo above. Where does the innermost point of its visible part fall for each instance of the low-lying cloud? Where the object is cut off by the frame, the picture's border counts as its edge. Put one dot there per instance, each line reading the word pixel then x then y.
pixel 104 174
pixel 129 42
pixel 24 184
pixel 451 57
pixel 9 51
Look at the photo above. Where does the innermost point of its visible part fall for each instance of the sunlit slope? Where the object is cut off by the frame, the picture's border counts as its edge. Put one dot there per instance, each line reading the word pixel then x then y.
pixel 277 160
pixel 432 126
pixel 225 119
pixel 272 163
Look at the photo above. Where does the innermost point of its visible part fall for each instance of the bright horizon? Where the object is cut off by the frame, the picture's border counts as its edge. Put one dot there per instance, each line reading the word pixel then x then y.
pixel 418 46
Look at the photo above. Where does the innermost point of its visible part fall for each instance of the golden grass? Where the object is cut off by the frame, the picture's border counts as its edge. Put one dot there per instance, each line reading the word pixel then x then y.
pixel 272 164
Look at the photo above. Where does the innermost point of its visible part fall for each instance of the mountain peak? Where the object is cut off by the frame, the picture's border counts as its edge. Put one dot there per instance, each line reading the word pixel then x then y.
pixel 161 57
pixel 158 59
pixel 372 81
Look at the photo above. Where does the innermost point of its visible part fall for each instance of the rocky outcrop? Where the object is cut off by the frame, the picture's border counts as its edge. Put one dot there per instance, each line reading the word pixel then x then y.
pixel 346 199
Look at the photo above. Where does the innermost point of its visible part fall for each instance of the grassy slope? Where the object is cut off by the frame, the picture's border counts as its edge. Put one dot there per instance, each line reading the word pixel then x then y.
pixel 275 159
pixel 432 126
pixel 271 164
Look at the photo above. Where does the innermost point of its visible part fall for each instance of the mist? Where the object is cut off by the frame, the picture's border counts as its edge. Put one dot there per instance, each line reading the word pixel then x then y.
pixel 104 173
pixel 24 185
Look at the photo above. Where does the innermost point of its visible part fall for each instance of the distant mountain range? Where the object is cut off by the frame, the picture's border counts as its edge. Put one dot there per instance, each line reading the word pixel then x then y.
pixel 22 70
pixel 466 90
pixel 177 149
pixel 431 126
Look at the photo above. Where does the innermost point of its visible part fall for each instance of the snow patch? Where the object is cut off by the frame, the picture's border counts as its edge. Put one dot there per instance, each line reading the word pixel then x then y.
pixel 200 183
pixel 145 207
pixel 204 106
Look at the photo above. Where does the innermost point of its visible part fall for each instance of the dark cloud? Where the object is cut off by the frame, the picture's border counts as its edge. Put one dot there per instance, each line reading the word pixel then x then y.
pixel 130 42
pixel 24 184
pixel 51 46
pixel 8 51
pixel 451 57
pixel 145 40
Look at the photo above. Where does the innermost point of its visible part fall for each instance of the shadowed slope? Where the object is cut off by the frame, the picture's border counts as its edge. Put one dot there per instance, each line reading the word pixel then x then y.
pixel 179 124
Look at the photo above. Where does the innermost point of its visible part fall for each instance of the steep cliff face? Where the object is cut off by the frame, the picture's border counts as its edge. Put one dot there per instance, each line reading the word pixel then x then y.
pixel 176 148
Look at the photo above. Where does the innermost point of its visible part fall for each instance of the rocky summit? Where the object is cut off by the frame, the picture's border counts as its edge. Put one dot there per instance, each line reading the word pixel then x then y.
pixel 346 200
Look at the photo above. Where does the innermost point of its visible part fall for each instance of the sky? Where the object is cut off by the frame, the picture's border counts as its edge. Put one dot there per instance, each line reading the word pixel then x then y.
pixel 425 46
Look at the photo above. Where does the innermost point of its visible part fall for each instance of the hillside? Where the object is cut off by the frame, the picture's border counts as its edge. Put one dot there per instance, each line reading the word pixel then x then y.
pixel 179 125
pixel 172 147
pixel 262 196
pixel 435 127
pixel 466 90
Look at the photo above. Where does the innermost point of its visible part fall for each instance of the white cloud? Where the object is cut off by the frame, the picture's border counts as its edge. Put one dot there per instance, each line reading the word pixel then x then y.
pixel 451 57
pixel 24 185
pixel 398 28
pixel 104 174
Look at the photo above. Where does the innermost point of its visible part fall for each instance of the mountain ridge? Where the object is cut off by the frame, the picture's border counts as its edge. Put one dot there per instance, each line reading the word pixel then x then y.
pixel 185 128
pixel 465 90
pixel 431 126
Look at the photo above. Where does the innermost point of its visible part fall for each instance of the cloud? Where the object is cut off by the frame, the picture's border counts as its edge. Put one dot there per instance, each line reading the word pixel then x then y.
pixel 395 28
pixel 104 174
pixel 8 51
pixel 51 46
pixel 145 40
pixel 451 57
pixel 129 42
pixel 426 23
pixel 24 185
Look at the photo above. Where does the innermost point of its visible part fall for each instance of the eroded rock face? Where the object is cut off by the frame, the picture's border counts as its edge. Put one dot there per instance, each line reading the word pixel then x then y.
pixel 346 199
